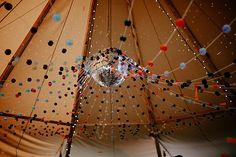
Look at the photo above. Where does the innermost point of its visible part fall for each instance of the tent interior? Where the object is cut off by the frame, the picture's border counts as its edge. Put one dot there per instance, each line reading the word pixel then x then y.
pixel 117 78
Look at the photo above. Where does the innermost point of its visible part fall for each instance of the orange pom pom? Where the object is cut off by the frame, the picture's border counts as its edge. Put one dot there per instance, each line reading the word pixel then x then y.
pixel 150 63
pixel 163 47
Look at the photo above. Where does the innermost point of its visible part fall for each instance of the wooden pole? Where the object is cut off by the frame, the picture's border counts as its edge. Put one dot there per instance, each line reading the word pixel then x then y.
pixel 158 148
pixel 2 4
pixel 33 119
pixel 81 79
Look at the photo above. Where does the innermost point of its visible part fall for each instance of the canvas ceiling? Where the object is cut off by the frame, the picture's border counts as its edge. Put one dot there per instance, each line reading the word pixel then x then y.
pixel 104 129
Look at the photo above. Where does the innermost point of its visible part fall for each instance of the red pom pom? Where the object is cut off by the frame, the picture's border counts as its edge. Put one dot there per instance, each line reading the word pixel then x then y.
pixel 180 23
pixel 163 47
pixel 33 90
pixel 150 63
pixel 49 84
pixel 140 72
pixel 231 140
pixel 224 155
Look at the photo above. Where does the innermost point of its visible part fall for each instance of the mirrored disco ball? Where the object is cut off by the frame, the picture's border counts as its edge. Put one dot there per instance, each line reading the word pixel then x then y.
pixel 107 68
pixel 105 76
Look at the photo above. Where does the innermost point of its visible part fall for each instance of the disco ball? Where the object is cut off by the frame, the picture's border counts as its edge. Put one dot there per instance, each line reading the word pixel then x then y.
pixel 108 68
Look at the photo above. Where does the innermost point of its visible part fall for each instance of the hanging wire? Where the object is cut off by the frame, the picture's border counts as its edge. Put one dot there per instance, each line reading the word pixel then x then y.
pixel 109 23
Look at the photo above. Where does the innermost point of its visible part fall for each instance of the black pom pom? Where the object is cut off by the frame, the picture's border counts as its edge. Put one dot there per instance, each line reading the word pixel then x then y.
pixel 50 43
pixel 205 85
pixel 116 58
pixel 204 81
pixel 29 62
pixel 13 80
pixel 217 93
pixel 72 68
pixel 45 76
pixel 8 6
pixel 227 74
pixel 122 38
pixel 63 50
pixel 45 67
pixel 185 84
pixel 127 23
pixel 82 65
pixel 210 75
pixel 7 51
pixel 33 30
pixel 119 52
pixel 234 61
pixel 29 79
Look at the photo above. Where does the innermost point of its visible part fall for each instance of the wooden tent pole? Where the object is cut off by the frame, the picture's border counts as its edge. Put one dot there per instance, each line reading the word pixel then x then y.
pixel 26 41
pixel 81 78
pixel 158 148
pixel 2 4
pixel 33 119
pixel 150 109
pixel 74 115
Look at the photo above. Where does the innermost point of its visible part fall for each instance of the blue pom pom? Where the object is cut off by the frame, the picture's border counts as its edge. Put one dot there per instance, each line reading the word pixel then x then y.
pixel 226 28
pixel 166 73
pixel 1 94
pixel 182 66
pixel 202 51
pixel 56 17
pixel 69 42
